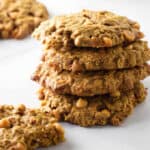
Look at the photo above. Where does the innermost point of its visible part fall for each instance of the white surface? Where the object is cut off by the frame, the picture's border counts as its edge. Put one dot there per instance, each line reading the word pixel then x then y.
pixel 18 60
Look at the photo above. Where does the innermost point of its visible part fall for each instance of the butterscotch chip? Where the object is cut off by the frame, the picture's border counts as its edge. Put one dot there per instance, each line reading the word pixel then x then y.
pixel 18 18
pixel 4 123
pixel 107 41
pixel 129 35
pixel 87 29
pixel 42 103
pixel 90 83
pixel 101 110
pixel 88 59
pixel 81 103
pixel 75 66
pixel 55 113
pixel 21 108
pixel 59 128
pixel 115 94
pixel 18 146
pixel 28 129
pixel 136 25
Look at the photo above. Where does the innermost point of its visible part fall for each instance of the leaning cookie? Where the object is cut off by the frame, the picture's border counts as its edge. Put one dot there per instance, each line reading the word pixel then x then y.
pixel 18 18
pixel 90 111
pixel 27 129
pixel 89 83
pixel 87 29
pixel 88 59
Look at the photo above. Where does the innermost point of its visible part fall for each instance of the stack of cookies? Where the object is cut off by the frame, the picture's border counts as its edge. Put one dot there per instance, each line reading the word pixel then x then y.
pixel 91 67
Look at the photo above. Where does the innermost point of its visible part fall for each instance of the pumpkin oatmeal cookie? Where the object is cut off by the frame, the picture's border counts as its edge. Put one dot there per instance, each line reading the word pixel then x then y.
pixel 89 83
pixel 87 29
pixel 18 18
pixel 27 129
pixel 90 111
pixel 85 59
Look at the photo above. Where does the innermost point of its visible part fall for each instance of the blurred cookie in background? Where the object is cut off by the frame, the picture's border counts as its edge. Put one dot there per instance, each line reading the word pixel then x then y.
pixel 18 18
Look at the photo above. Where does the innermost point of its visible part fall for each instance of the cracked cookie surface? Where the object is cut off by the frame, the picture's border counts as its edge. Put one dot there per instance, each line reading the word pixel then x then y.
pixel 89 83
pixel 87 29
pixel 90 111
pixel 27 129
pixel 18 18
pixel 84 59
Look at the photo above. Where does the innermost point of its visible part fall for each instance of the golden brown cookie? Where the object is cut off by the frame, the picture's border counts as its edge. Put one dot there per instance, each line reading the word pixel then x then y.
pixel 89 83
pixel 18 18
pixel 27 129
pixel 87 29
pixel 88 59
pixel 90 111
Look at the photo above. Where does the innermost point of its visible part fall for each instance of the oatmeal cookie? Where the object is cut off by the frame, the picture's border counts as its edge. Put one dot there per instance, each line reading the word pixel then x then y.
pixel 90 111
pixel 84 59
pixel 87 29
pixel 27 129
pixel 18 18
pixel 89 83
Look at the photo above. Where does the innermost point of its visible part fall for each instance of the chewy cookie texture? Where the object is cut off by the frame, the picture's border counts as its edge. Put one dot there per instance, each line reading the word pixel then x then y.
pixel 88 59
pixel 91 67
pixel 18 18
pixel 87 29
pixel 27 129
pixel 89 111
pixel 89 83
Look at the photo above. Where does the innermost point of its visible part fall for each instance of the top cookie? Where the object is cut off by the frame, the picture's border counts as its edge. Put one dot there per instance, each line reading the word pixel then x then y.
pixel 18 18
pixel 87 29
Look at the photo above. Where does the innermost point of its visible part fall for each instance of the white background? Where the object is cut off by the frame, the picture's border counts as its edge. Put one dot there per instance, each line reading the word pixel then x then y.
pixel 18 60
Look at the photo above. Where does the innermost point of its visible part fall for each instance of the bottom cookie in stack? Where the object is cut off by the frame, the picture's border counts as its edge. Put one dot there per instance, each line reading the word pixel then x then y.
pixel 90 111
